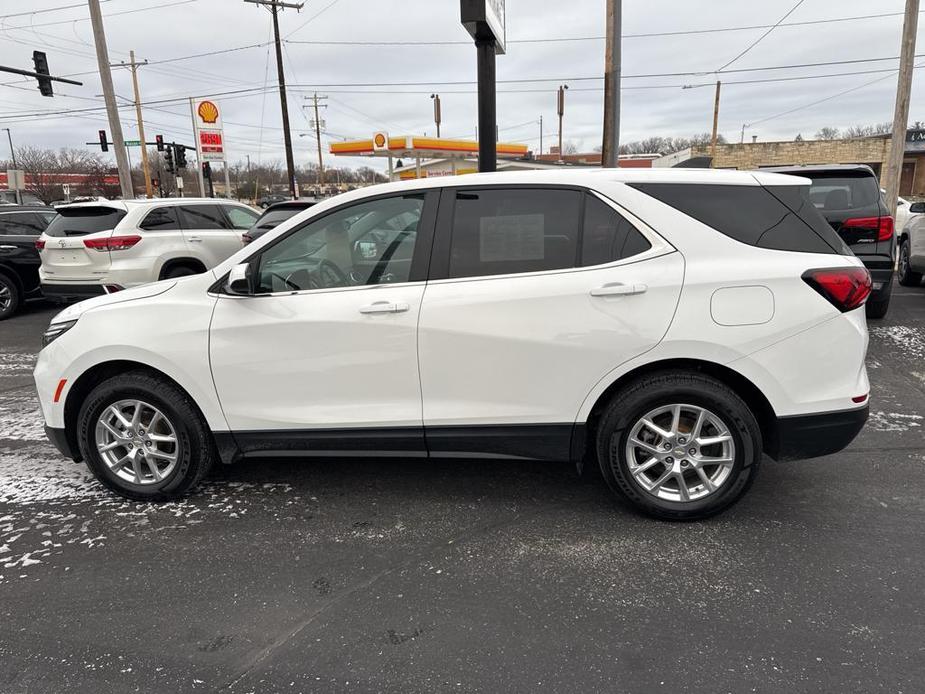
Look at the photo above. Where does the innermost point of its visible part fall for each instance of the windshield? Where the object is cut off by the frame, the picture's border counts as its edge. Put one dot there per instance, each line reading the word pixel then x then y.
pixel 78 221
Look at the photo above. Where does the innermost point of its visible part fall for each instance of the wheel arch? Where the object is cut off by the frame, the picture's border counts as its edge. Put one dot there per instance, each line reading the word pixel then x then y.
pixel 98 373
pixel 9 271
pixel 183 261
pixel 742 386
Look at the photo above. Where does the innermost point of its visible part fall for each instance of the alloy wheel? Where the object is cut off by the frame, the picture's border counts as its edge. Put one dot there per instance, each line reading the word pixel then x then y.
pixel 903 259
pixel 137 442
pixel 6 297
pixel 680 452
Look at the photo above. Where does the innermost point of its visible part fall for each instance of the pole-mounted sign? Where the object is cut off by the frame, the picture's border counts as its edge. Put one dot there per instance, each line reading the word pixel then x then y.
pixel 485 22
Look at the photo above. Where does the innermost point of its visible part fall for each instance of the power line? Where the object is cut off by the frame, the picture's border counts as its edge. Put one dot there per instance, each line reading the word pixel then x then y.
pixel 763 36
pixel 86 19
pixel 47 9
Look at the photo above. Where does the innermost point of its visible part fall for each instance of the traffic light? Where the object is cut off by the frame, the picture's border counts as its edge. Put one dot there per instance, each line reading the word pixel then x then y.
pixel 104 143
pixel 41 67
pixel 159 140
pixel 168 158
pixel 181 156
pixel 206 169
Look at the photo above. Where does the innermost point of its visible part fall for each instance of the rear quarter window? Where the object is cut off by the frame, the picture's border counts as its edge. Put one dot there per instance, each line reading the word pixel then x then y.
pixel 79 221
pixel 776 218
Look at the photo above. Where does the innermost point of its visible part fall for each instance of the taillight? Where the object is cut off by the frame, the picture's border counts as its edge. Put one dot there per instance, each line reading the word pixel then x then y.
pixel 112 243
pixel 39 245
pixel 881 226
pixel 845 288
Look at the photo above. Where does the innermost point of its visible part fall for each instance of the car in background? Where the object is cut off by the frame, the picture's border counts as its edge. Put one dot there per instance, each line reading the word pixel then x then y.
pixel 669 326
pixel 104 246
pixel 20 228
pixel 903 213
pixel 9 197
pixel 912 247
pixel 275 215
pixel 849 198
pixel 270 199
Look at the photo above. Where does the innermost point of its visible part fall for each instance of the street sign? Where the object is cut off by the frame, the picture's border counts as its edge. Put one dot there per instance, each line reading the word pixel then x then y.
pixel 179 183
pixel 485 19
pixel 132 143
pixel 15 179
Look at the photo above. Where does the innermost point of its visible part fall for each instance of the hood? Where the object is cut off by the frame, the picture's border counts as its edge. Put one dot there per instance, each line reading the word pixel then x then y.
pixel 145 291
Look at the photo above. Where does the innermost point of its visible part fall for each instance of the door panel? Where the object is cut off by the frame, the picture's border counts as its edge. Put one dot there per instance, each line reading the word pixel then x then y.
pixel 208 233
pixel 318 360
pixel 527 349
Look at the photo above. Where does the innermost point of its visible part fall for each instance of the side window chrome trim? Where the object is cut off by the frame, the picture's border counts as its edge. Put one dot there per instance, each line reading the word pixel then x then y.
pixel 326 290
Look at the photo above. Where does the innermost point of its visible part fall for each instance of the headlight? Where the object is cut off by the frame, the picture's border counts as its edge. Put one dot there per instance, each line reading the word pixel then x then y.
pixel 56 330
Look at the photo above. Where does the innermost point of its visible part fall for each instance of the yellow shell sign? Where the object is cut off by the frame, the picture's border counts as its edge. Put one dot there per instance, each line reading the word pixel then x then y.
pixel 208 112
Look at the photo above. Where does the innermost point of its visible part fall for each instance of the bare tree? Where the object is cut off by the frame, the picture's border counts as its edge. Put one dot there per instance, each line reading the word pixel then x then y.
pixel 828 133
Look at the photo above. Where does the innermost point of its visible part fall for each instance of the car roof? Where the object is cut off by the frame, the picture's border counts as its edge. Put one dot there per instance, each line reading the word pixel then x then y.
pixel 293 204
pixel 129 204
pixel 822 168
pixel 24 208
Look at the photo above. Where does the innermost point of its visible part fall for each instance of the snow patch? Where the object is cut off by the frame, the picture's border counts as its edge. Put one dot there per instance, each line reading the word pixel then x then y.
pixel 910 342
pixel 893 421
pixel 16 363
pixel 21 418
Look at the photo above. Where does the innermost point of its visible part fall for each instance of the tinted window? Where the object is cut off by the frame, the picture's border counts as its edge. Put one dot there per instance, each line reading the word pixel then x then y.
pixel 843 193
pixel 20 224
pixel 161 219
pixel 273 218
pixel 502 230
pixel 369 243
pixel 750 214
pixel 797 200
pixel 607 236
pixel 239 217
pixel 77 221
pixel 203 217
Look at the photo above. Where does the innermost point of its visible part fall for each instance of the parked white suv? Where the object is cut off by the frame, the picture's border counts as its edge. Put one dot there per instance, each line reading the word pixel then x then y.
pixel 912 247
pixel 103 246
pixel 669 326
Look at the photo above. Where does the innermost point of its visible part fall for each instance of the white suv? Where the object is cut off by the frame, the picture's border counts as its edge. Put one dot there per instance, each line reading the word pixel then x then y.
pixel 104 246
pixel 669 326
pixel 912 247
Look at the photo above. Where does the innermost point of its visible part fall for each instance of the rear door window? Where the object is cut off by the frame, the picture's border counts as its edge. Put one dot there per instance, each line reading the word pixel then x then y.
pixel 753 215
pixel 607 236
pixel 239 217
pixel 204 218
pixel 161 219
pixel 79 221
pixel 499 231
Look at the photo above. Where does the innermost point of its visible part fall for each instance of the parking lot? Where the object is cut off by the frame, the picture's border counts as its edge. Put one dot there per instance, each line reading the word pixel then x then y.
pixel 403 576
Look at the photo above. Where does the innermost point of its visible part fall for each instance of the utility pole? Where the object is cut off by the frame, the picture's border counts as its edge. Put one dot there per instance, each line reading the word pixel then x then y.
pixel 437 113
pixel 9 136
pixel 901 115
pixel 541 135
pixel 318 138
pixel 149 191
pixel 275 6
pixel 716 126
pixel 610 151
pixel 560 108
pixel 112 111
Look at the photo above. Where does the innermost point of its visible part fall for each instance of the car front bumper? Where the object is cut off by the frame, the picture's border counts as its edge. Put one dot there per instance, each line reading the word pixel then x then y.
pixel 58 438
pixel 814 435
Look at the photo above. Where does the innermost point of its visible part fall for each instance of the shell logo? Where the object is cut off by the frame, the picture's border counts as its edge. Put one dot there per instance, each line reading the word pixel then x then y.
pixel 380 140
pixel 208 112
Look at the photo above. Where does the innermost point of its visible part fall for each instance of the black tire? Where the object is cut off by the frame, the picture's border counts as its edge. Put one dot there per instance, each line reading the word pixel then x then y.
pixel 10 298
pixel 636 399
pixel 179 271
pixel 878 308
pixel 195 446
pixel 907 277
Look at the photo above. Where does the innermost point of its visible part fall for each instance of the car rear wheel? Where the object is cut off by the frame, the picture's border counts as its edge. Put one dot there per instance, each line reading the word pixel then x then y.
pixel 143 438
pixel 907 277
pixel 9 296
pixel 679 445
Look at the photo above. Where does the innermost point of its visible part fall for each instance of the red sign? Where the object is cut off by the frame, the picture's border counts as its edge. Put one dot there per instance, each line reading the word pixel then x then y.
pixel 211 141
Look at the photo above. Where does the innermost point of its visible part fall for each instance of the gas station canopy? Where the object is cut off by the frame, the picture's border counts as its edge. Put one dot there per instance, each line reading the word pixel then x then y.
pixel 381 145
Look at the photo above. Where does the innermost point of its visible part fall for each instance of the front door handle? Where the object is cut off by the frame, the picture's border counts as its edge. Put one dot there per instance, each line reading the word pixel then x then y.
pixel 385 307
pixel 7 248
pixel 619 289
pixel 194 238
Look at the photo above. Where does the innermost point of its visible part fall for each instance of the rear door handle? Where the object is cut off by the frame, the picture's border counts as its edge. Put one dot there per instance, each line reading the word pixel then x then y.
pixel 7 248
pixel 195 238
pixel 385 307
pixel 619 289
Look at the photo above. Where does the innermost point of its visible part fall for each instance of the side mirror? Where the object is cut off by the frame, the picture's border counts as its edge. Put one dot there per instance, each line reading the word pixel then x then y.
pixel 917 208
pixel 240 280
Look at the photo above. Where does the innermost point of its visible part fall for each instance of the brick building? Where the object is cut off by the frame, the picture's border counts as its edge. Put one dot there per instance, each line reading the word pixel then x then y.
pixel 872 151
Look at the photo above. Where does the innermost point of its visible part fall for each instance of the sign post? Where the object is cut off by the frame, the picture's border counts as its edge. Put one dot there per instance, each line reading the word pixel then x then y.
pixel 210 139
pixel 485 22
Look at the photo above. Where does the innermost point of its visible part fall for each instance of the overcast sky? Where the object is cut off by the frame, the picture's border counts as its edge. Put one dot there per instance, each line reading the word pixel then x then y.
pixel 177 28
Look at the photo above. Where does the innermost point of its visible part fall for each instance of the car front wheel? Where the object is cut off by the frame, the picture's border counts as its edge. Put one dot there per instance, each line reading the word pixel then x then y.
pixel 9 297
pixel 907 277
pixel 143 438
pixel 679 445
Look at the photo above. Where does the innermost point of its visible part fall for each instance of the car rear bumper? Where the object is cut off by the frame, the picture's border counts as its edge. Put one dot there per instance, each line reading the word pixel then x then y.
pixel 814 435
pixel 73 290
pixel 881 273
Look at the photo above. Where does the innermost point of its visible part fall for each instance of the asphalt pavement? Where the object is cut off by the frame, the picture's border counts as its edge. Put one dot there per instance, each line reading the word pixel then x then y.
pixel 409 576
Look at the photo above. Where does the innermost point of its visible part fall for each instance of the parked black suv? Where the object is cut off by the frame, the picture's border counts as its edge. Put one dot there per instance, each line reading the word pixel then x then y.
pixel 20 228
pixel 849 197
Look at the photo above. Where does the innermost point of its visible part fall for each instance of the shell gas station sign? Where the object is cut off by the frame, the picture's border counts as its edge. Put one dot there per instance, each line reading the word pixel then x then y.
pixel 207 124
